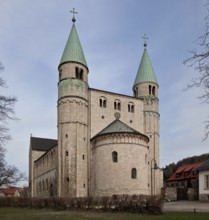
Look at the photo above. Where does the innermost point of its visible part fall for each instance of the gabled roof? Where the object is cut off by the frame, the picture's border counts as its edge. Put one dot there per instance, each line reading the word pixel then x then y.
pixel 204 166
pixel 42 144
pixel 145 71
pixel 9 191
pixel 73 51
pixel 185 172
pixel 118 126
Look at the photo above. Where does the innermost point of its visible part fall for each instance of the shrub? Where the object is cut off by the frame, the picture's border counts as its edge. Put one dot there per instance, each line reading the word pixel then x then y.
pixel 118 203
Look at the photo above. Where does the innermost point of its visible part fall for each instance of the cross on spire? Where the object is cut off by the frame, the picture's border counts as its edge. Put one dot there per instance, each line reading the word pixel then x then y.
pixel 145 40
pixel 74 12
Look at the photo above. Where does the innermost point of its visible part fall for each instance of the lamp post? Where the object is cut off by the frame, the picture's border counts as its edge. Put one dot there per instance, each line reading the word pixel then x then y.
pixel 153 168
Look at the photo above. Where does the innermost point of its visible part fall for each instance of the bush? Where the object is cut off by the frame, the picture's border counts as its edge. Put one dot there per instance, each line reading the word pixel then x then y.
pixel 118 203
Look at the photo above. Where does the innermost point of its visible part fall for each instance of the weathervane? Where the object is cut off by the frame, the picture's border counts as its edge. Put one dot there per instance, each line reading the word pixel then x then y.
pixel 145 38
pixel 74 12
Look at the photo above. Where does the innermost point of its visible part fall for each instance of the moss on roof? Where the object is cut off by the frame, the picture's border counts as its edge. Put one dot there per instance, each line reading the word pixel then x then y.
pixel 73 51
pixel 145 71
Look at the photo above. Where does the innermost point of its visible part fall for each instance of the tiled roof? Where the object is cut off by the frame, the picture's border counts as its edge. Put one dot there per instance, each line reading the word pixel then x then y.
pixel 145 71
pixel 73 51
pixel 204 166
pixel 9 191
pixel 118 126
pixel 185 172
pixel 42 144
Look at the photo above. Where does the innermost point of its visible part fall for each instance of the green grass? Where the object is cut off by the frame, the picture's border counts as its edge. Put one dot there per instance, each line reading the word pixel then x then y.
pixel 35 214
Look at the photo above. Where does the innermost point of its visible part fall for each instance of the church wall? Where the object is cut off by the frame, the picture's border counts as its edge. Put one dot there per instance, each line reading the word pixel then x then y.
pixel 100 117
pixel 45 174
pixel 33 156
pixel 108 177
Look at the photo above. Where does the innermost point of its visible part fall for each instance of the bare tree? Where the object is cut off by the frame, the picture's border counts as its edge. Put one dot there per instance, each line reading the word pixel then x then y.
pixel 199 60
pixel 9 175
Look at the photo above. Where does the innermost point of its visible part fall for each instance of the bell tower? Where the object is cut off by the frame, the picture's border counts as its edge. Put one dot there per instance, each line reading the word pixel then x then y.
pixel 72 109
pixel 146 88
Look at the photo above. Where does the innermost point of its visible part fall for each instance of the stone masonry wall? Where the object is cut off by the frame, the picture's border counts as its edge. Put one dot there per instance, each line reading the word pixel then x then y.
pixel 108 177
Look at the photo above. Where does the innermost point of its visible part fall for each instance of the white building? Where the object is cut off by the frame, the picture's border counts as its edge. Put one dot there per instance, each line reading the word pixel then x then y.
pixel 204 181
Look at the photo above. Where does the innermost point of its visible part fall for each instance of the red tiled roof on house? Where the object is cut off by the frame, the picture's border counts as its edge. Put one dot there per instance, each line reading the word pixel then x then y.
pixel 185 172
pixel 9 191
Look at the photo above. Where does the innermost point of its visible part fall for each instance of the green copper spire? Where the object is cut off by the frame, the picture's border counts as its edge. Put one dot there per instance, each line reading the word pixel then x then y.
pixel 145 72
pixel 73 51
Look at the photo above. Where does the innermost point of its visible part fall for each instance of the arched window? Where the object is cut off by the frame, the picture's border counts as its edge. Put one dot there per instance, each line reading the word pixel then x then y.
pixel 130 107
pixel 133 173
pixel 43 185
pixel 150 90
pixel 79 73
pixel 153 90
pixel 136 91
pixel 114 157
pixel 47 185
pixel 117 105
pixel 60 74
pixel 102 102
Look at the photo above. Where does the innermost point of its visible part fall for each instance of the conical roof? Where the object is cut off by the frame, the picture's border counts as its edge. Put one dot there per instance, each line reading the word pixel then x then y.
pixel 145 71
pixel 73 51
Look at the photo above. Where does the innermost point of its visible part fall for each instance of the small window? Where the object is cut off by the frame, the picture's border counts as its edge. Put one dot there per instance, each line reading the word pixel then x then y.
pixel 133 173
pixel 206 181
pixel 150 89
pixel 136 91
pixel 102 102
pixel 66 153
pixel 117 104
pixel 153 90
pixel 68 179
pixel 114 157
pixel 131 107
pixel 60 74
pixel 79 73
pixel 83 157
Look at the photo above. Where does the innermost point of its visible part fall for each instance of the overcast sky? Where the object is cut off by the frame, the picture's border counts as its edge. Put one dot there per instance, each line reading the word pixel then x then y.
pixel 33 35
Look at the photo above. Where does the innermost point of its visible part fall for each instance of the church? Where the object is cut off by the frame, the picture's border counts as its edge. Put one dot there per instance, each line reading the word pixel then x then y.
pixel 108 143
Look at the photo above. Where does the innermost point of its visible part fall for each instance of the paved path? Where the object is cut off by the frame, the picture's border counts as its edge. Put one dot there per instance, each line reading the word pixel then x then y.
pixel 186 206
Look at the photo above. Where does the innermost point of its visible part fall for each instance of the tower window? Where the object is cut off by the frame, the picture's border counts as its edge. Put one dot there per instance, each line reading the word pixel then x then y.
pixel 83 157
pixel 78 73
pixel 133 173
pixel 66 153
pixel 60 74
pixel 68 179
pixel 114 157
pixel 153 90
pixel 102 102
pixel 150 90
pixel 117 104
pixel 136 91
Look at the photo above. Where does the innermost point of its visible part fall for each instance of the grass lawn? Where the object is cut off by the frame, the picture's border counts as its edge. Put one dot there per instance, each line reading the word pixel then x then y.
pixel 33 214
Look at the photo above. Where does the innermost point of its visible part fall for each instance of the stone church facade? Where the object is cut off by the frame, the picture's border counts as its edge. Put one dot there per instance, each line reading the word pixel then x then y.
pixel 108 143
